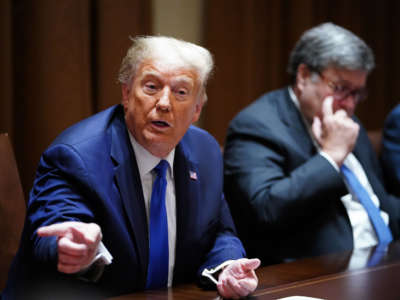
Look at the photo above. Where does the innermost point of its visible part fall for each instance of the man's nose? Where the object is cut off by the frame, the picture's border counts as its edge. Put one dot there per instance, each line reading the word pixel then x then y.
pixel 348 103
pixel 164 102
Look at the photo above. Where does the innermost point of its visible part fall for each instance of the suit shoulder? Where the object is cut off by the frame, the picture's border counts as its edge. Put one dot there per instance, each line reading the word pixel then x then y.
pixel 393 120
pixel 89 128
pixel 199 144
pixel 261 114
pixel 197 136
pixel 262 107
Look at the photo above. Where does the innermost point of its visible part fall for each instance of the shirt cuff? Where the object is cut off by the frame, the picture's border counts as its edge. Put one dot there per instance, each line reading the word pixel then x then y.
pixel 95 269
pixel 214 271
pixel 330 160
pixel 103 255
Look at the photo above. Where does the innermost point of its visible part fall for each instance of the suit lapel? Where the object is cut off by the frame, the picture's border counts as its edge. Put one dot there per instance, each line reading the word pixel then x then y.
pixel 187 188
pixel 362 152
pixel 292 118
pixel 128 181
pixel 359 153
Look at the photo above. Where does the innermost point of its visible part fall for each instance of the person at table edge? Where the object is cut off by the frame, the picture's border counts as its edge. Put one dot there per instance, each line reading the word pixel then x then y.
pixel 285 154
pixel 89 209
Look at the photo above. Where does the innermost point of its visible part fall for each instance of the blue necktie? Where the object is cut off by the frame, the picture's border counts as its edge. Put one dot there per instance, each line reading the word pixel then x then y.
pixel 157 271
pixel 382 231
pixel 377 255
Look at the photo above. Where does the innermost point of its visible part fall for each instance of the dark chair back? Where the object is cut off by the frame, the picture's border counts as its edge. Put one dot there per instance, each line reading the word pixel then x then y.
pixel 12 207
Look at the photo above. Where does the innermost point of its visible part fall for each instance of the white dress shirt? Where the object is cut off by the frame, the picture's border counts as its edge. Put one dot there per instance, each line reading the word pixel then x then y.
pixel 146 163
pixel 363 231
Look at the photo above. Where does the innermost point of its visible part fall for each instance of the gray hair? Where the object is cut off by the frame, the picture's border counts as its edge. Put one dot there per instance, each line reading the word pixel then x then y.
pixel 330 45
pixel 167 50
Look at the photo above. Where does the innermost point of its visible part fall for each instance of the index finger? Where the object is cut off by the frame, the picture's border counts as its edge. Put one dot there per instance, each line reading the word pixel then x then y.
pixel 327 109
pixel 58 229
pixel 252 264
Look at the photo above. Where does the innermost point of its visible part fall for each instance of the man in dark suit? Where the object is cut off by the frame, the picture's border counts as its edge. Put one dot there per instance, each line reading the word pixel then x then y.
pixel 391 150
pixel 93 227
pixel 284 154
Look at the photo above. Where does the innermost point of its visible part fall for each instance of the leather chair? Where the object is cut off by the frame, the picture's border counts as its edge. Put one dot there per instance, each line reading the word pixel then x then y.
pixel 12 207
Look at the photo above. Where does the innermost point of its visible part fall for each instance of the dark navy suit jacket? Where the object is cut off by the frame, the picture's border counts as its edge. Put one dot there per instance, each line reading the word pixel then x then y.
pixel 284 196
pixel 391 150
pixel 90 174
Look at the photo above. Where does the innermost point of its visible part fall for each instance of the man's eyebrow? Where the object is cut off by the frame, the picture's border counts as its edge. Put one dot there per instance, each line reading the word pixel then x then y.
pixel 150 73
pixel 349 84
pixel 184 78
pixel 346 83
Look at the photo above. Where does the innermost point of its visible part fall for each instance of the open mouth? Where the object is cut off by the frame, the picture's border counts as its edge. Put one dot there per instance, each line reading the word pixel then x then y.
pixel 161 124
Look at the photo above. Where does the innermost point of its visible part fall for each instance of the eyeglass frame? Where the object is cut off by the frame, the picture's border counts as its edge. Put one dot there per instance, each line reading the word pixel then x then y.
pixel 358 95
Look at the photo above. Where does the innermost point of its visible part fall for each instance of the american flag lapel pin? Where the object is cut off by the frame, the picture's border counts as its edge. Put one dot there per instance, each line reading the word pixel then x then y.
pixel 193 175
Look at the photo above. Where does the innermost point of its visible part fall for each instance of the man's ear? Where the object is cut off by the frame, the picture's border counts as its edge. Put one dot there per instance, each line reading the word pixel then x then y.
pixel 198 108
pixel 125 90
pixel 303 76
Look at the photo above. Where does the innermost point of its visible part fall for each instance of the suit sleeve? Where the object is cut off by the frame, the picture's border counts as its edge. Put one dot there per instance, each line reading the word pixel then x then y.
pixel 271 183
pixel 227 245
pixel 391 151
pixel 60 194
pixel 215 214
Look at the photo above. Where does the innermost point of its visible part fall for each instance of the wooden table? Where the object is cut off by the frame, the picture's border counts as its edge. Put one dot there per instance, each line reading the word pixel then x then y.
pixel 341 276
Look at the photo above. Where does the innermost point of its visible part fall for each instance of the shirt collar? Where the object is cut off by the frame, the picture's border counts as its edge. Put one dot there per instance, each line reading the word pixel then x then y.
pixel 293 97
pixel 147 161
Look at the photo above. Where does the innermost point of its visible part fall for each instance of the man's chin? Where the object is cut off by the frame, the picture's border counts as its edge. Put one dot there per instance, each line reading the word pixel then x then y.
pixel 158 148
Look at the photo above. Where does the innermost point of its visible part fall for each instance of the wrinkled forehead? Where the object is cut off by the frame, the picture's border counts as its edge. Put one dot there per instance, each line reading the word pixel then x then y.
pixel 172 72
pixel 170 57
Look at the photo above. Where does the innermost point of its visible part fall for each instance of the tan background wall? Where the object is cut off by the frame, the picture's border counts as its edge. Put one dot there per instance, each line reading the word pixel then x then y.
pixel 179 18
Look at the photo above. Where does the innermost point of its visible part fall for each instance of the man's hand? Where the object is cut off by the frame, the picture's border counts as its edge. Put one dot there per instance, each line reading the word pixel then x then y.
pixel 336 132
pixel 238 279
pixel 77 244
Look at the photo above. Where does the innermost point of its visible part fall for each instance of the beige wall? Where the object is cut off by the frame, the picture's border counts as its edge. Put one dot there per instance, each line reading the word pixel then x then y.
pixel 181 19
pixel 178 18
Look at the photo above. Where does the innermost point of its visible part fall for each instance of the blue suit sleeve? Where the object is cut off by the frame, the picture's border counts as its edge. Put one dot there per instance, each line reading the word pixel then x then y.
pixel 226 246
pixel 391 151
pixel 58 195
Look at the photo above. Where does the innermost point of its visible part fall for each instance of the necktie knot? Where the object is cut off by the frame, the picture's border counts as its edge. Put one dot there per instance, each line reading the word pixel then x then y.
pixel 161 168
pixel 344 170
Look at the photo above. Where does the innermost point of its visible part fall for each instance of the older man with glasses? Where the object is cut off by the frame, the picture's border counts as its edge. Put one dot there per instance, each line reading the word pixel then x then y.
pixel 301 177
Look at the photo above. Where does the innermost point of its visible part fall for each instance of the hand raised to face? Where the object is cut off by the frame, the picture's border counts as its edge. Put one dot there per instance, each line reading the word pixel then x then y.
pixel 336 133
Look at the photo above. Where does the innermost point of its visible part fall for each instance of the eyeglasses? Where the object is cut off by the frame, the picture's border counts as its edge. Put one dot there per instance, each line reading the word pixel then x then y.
pixel 341 92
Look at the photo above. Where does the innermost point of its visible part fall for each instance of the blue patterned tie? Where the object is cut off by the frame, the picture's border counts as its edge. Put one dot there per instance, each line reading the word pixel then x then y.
pixel 157 272
pixel 382 231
